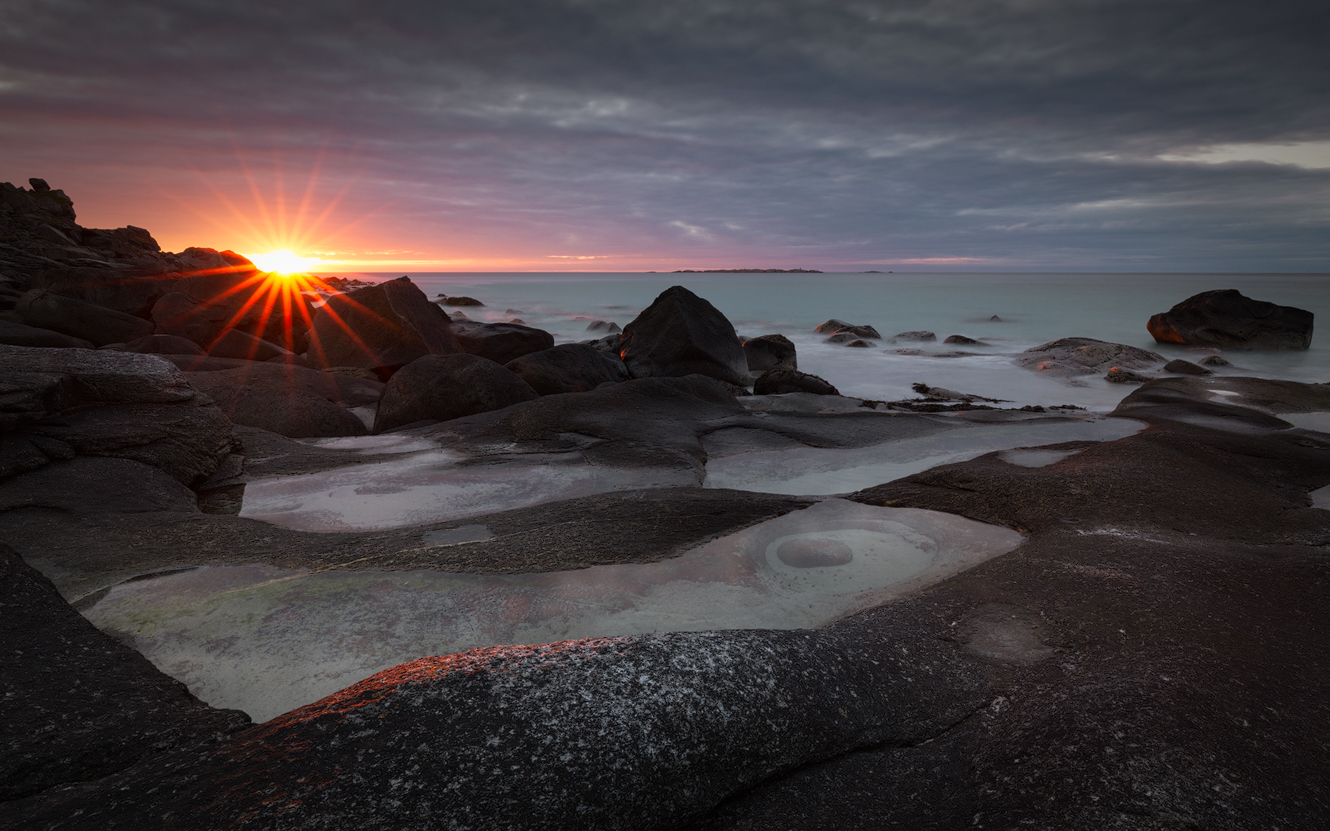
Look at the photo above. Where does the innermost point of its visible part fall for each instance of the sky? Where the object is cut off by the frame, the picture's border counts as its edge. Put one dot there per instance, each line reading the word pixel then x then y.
pixel 617 135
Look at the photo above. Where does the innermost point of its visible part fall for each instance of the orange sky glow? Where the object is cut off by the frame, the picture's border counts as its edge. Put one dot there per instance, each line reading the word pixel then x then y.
pixel 341 222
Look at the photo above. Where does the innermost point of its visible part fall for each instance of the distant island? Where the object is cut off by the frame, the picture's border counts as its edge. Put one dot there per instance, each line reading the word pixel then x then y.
pixel 747 271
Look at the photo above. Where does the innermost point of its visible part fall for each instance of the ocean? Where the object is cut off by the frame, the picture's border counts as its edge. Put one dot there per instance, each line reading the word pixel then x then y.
pixel 1030 309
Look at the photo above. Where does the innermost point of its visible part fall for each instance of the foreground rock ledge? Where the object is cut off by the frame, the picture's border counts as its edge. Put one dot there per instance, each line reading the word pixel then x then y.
pixel 643 732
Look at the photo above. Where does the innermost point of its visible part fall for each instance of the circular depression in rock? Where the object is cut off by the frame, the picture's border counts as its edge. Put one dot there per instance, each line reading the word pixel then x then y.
pixel 837 560
pixel 814 553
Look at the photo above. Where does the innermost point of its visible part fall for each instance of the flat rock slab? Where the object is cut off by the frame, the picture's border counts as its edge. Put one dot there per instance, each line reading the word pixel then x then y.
pixel 86 551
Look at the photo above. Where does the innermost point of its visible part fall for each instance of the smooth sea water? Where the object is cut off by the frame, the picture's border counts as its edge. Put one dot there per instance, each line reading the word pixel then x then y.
pixel 1032 309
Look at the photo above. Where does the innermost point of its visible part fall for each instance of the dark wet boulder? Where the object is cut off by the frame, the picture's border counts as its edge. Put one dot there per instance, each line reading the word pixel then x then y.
pixel 841 338
pixel 163 345
pixel 246 347
pixel 1068 357
pixel 108 403
pixel 21 334
pixel 444 387
pixel 1118 375
pixel 834 326
pixel 380 328
pixel 97 484
pixel 458 301
pixel 766 352
pixel 187 442
pixel 175 313
pixel 345 388
pixel 609 343
pixel 603 326
pixel 859 343
pixel 572 367
pixel 963 340
pixel 779 381
pixel 1228 319
pixel 1181 367
pixel 641 423
pixel 1215 360
pixel 79 705
pixel 288 412
pixel 225 292
pixel 682 334
pixel 918 336
pixel 501 342
pixel 80 319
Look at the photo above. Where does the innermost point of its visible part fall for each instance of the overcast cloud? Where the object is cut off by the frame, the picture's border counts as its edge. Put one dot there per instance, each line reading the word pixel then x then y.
pixel 1080 135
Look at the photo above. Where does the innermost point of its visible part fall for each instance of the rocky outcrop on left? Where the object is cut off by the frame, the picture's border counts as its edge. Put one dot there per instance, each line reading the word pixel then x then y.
pixel 42 246
pixel 1228 319
pixel 1070 357
pixel 58 403
pixel 681 334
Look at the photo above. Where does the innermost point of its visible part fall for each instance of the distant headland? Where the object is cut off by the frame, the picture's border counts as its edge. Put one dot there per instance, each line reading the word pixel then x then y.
pixel 746 271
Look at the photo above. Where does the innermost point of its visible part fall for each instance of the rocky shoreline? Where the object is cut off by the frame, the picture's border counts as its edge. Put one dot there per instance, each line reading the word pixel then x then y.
pixel 1148 657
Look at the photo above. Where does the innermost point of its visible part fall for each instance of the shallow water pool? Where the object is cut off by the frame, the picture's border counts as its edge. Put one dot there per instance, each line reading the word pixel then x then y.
pixel 265 640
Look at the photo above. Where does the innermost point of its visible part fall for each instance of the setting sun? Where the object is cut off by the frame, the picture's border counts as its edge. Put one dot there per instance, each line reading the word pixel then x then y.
pixel 283 262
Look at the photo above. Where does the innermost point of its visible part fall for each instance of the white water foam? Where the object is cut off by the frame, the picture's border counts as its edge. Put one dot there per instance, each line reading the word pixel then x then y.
pixel 813 471
pixel 1032 309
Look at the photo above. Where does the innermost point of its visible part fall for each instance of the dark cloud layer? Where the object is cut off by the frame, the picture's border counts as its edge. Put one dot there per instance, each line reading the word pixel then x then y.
pixel 1024 133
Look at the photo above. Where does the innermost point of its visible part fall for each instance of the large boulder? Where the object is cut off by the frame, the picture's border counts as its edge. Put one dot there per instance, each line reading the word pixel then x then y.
pixel 1067 357
pixel 780 381
pixel 573 367
pixel 834 326
pixel 444 387
pixel 55 403
pixel 288 412
pixel 339 388
pixel 163 345
pixel 80 319
pixel 176 314
pixel 80 705
pixel 770 352
pixel 1228 319
pixel 681 334
pixel 380 328
pixel 225 292
pixel 242 345
pixel 187 442
pixel 21 334
pixel 500 342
